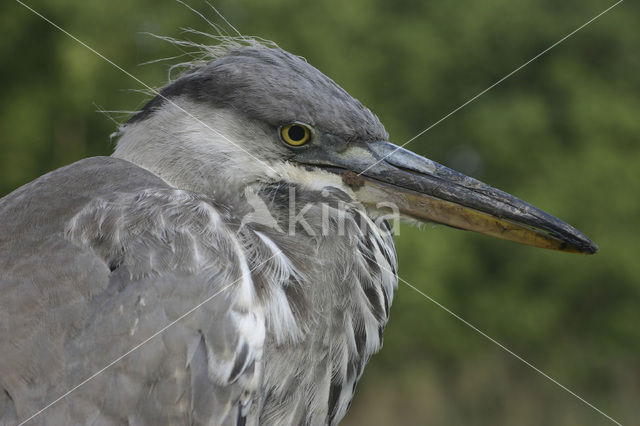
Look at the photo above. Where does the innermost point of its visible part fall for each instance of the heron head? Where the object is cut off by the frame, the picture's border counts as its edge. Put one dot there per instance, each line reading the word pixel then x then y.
pixel 257 114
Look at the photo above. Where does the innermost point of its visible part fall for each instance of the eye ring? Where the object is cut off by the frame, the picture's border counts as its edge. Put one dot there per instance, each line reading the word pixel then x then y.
pixel 295 134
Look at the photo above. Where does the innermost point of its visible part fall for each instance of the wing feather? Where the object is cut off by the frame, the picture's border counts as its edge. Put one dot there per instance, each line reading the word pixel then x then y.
pixel 95 259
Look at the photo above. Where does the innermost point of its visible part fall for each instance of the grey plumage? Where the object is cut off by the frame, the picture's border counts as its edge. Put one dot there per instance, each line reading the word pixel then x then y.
pixel 101 254
pixel 223 320
pixel 285 89
pixel 127 254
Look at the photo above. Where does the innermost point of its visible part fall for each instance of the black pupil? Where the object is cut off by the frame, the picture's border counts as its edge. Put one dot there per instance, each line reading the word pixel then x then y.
pixel 296 133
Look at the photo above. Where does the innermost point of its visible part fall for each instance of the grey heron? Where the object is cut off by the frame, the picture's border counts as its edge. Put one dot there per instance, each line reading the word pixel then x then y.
pixel 143 267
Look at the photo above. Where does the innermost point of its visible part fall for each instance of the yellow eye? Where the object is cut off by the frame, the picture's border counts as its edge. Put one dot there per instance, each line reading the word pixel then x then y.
pixel 295 134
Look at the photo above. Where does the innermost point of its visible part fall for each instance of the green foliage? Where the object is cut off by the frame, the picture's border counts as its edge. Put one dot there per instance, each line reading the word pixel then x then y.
pixel 561 133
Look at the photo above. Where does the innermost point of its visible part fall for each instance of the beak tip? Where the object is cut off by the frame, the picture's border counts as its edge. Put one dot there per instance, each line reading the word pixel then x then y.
pixel 586 246
pixel 592 249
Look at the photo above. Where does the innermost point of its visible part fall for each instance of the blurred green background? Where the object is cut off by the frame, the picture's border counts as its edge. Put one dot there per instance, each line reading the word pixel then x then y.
pixel 561 133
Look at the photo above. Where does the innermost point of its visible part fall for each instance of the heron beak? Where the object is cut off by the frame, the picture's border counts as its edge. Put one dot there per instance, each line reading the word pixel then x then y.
pixel 430 192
